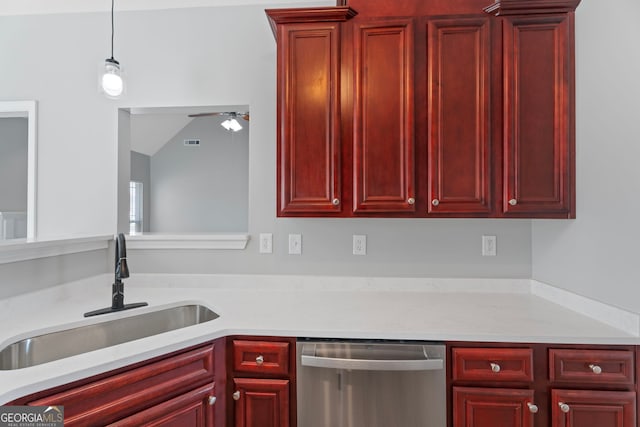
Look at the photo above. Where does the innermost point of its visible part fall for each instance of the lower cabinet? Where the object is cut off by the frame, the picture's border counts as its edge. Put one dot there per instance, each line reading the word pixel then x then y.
pixel 261 402
pixel 490 407
pixel 587 408
pixel 262 382
pixel 542 386
pixel 174 390
pixel 193 409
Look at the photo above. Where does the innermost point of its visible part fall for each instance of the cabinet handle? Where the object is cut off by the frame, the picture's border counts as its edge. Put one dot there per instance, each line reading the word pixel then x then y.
pixel 532 408
pixel 495 367
pixel 411 201
pixel 513 202
pixel 212 400
pixel 335 202
pixel 236 395
pixel 435 202
pixel 595 369
pixel 260 360
pixel 564 407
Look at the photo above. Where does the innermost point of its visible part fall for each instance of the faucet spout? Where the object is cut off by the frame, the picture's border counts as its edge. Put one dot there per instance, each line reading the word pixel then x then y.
pixel 121 270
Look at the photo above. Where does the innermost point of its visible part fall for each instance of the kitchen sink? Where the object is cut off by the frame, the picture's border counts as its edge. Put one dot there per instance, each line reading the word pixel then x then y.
pixel 69 342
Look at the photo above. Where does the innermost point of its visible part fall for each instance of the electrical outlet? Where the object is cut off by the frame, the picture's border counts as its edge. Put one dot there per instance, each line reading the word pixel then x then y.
pixel 266 243
pixel 489 246
pixel 359 244
pixel 295 244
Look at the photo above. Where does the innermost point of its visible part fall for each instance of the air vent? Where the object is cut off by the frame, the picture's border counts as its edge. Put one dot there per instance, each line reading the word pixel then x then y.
pixel 191 142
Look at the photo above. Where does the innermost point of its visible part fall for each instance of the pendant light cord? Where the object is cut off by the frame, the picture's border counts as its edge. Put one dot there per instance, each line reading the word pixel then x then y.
pixel 112 3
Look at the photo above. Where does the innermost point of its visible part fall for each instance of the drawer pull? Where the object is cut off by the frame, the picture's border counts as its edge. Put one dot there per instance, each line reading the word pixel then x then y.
pixel 532 408
pixel 495 367
pixel 212 400
pixel 564 407
pixel 260 360
pixel 335 202
pixel 236 395
pixel 595 369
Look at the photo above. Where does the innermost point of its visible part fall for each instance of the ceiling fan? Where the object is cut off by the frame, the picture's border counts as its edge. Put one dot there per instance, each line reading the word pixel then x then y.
pixel 232 114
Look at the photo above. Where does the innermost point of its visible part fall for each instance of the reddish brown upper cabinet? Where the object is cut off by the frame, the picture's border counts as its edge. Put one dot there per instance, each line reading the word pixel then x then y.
pixel 539 108
pixel 459 148
pixel 309 156
pixel 383 141
pixel 427 108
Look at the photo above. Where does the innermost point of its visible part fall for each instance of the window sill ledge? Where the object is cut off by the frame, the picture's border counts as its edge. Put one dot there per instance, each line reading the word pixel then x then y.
pixel 187 241
pixel 24 250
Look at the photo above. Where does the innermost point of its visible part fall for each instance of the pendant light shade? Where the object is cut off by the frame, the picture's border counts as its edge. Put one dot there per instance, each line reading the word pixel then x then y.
pixel 111 81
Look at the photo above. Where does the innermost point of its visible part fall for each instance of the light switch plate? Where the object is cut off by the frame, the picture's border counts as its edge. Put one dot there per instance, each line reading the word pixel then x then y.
pixel 266 243
pixel 489 246
pixel 359 244
pixel 295 244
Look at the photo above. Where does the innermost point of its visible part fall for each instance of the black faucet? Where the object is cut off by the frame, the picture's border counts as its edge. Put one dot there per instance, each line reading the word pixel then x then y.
pixel 121 272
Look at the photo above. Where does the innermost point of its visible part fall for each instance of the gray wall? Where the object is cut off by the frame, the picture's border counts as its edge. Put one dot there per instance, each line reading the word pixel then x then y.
pixel 141 172
pixel 204 56
pixel 29 276
pixel 13 164
pixel 201 188
pixel 598 254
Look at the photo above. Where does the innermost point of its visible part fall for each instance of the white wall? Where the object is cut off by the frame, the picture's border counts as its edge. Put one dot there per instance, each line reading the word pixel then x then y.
pixel 205 56
pixel 598 254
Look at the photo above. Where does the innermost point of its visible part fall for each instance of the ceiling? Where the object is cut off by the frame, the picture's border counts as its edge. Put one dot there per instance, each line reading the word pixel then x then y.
pixel 28 7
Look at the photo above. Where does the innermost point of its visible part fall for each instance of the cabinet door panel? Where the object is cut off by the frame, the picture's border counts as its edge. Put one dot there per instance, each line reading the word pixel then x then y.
pixel 118 396
pixel 491 407
pixel 588 408
pixel 538 106
pixel 261 403
pixel 384 125
pixel 308 118
pixel 190 409
pixel 459 103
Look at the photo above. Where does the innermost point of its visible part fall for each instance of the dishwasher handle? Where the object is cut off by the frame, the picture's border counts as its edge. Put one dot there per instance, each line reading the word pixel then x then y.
pixel 372 365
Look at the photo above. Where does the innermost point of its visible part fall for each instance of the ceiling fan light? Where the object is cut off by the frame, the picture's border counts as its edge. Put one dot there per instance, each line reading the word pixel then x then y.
pixel 235 125
pixel 231 124
pixel 226 124
pixel 111 82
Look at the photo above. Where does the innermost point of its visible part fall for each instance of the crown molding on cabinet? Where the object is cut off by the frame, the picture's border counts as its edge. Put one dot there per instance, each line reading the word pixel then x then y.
pixel 526 7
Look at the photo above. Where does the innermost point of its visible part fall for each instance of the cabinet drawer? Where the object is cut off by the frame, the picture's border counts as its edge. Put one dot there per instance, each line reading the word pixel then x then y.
pixel 113 398
pixel 492 364
pixel 266 357
pixel 591 366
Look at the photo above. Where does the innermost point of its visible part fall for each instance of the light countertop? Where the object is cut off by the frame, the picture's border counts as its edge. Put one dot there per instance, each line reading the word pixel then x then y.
pixel 485 310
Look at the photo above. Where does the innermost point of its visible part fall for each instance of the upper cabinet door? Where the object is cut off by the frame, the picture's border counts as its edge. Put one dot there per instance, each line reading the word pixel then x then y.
pixel 458 88
pixel 383 147
pixel 539 139
pixel 308 118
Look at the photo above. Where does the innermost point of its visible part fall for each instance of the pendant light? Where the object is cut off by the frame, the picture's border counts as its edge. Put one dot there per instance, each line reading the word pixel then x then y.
pixel 111 80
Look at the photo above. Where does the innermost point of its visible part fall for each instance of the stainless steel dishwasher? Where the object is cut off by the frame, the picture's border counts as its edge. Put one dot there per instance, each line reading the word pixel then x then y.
pixel 370 384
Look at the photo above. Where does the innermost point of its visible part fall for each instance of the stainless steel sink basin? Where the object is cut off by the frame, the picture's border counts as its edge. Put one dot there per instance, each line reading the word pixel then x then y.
pixel 69 342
